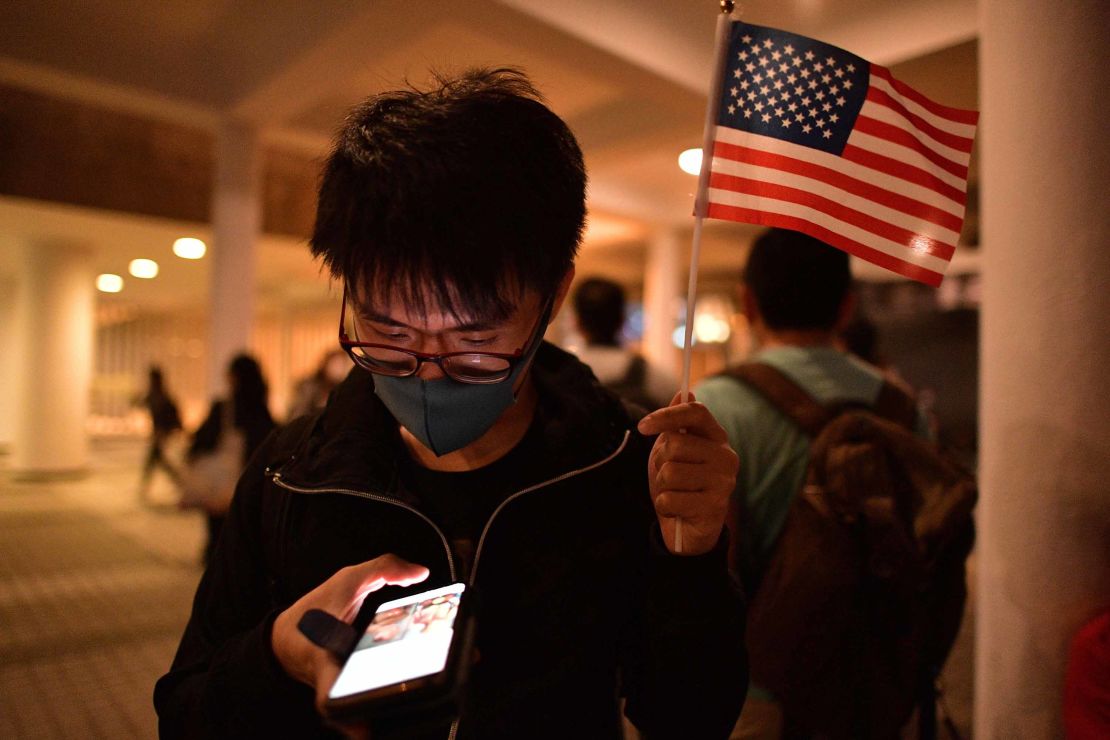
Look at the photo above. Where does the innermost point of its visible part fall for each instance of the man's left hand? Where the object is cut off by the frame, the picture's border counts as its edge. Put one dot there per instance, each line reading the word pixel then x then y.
pixel 692 472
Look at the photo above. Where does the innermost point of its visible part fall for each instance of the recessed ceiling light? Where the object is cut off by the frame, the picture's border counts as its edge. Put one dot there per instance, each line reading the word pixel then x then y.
pixel 189 248
pixel 690 161
pixel 109 283
pixel 143 268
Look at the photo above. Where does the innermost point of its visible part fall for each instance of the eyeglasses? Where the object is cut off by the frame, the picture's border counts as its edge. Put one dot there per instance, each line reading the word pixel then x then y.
pixel 465 367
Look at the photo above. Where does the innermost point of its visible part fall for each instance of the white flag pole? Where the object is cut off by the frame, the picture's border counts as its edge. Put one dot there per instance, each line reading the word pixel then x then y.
pixel 712 108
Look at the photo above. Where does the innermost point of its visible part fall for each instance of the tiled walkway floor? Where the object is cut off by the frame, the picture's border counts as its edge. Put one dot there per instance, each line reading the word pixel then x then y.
pixel 95 590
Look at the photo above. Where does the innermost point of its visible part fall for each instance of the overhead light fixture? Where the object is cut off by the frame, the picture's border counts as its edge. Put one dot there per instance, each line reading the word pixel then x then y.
pixel 690 161
pixel 143 268
pixel 189 248
pixel 109 283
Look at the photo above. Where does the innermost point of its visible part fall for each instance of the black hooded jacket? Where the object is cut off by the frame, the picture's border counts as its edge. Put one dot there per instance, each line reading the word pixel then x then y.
pixel 579 598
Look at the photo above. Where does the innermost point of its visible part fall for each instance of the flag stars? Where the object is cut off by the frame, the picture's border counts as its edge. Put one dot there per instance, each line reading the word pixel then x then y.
pixel 841 100
pixel 827 133
pixel 736 73
pixel 796 61
pixel 813 84
pixel 764 61
pixel 847 84
pixel 851 68
pixel 780 112
pixel 818 66
pixel 751 95
pixel 839 72
pixel 809 55
pixel 766 117
pixel 820 95
pixel 734 92
pixel 799 90
pixel 749 67
pixel 806 100
pixel 807 128
pixel 771 72
pixel 754 49
pixel 830 61
pixel 742 56
pixel 732 110
pixel 835 89
pixel 764 90
pixel 799 117
pixel 789 49
pixel 826 107
pixel 776 55
pixel 746 38
pixel 834 118
pixel 778 84
pixel 744 84
pixel 784 68
pixel 820 123
pixel 805 73
pixel 792 78
pixel 792 107
pixel 759 105
pixel 826 79
pixel 768 44
pixel 747 113
pixel 812 112
pixel 787 123
pixel 757 77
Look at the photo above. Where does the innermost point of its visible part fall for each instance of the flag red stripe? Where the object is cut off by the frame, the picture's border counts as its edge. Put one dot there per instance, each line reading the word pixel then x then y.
pixel 907 172
pixel 903 137
pixel 959 115
pixel 953 141
pixel 867 222
pixel 874 256
pixel 840 180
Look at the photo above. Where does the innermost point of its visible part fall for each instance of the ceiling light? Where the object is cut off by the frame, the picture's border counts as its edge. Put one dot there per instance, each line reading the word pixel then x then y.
pixel 109 283
pixel 189 248
pixel 690 161
pixel 143 268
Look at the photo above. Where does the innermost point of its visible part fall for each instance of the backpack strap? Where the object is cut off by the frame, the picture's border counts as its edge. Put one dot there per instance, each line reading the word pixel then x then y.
pixel 896 403
pixel 784 394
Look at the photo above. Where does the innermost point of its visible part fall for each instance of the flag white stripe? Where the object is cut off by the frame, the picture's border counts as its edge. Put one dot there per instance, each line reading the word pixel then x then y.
pixel 839 195
pixel 880 112
pixel 773 205
pixel 966 130
pixel 824 159
pixel 904 154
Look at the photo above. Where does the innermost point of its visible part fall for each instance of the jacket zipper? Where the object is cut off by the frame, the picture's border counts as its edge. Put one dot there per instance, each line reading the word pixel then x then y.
pixel 276 477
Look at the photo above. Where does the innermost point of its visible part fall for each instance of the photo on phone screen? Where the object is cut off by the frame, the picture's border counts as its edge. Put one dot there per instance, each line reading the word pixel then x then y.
pixel 408 639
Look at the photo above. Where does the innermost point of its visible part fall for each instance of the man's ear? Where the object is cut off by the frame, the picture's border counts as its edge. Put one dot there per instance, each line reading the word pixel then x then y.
pixel 561 293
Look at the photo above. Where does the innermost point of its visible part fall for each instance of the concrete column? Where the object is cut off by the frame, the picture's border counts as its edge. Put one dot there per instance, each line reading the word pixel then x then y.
pixel 54 359
pixel 8 367
pixel 664 277
pixel 236 225
pixel 1044 517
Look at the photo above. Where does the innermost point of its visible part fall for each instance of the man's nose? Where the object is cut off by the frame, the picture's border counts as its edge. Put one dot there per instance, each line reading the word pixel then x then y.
pixel 429 371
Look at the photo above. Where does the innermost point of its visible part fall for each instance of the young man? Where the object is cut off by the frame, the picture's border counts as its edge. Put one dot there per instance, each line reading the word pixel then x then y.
pixel 462 447
pixel 797 296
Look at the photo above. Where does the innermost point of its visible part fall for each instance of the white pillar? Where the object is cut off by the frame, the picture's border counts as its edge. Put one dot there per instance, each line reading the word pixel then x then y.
pixel 663 280
pixel 236 225
pixel 53 364
pixel 1044 516
pixel 9 341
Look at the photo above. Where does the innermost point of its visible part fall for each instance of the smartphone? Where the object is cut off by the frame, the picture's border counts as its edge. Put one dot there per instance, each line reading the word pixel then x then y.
pixel 413 656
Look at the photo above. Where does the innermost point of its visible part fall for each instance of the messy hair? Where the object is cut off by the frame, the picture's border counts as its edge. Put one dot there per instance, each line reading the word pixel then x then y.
pixel 461 196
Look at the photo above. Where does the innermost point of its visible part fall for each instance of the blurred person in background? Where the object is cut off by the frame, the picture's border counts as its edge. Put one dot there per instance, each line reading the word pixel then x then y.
pixel 221 446
pixel 311 393
pixel 599 311
pixel 164 421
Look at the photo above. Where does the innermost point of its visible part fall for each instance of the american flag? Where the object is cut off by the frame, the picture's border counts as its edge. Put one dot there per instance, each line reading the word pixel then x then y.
pixel 813 138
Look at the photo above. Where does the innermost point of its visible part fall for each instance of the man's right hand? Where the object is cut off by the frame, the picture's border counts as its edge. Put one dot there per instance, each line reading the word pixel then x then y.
pixel 341 596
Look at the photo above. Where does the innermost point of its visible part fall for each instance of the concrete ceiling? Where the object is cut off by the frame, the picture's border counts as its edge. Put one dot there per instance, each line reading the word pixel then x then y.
pixel 630 78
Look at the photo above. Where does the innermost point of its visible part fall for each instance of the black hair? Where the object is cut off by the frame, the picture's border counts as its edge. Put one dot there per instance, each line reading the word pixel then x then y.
pixel 248 389
pixel 599 305
pixel 798 282
pixel 473 190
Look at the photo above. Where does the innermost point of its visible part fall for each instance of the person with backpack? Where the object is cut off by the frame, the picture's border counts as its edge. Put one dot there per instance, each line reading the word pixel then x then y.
pixel 599 311
pixel 164 421
pixel 849 530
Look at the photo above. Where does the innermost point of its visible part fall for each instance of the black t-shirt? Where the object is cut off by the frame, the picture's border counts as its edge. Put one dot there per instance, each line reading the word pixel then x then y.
pixel 461 503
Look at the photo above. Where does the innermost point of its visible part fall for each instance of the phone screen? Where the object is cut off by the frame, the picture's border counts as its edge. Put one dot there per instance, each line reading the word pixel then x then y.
pixel 409 638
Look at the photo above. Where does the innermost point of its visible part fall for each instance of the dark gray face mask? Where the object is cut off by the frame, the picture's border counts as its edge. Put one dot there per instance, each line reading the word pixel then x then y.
pixel 446 415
